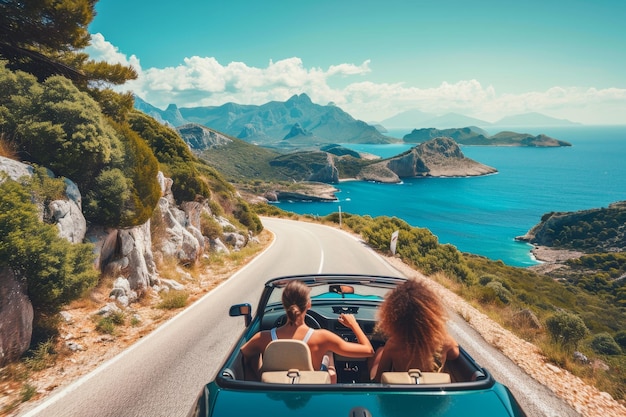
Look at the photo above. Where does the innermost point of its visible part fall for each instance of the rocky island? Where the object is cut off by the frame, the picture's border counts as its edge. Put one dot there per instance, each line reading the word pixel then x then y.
pixel 476 136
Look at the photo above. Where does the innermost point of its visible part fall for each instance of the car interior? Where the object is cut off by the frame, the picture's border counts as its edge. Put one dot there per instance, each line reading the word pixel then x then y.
pixel 289 361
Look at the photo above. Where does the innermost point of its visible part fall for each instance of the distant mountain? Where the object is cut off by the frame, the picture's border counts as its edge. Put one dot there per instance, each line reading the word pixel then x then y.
pixel 407 119
pixel 452 120
pixel 533 119
pixel 167 117
pixel 476 136
pixel 416 119
pixel 297 121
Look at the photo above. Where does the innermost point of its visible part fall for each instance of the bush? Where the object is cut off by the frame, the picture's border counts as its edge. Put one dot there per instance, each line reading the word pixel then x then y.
pixel 210 227
pixel 604 344
pixel 502 293
pixel 55 271
pixel 620 338
pixel 566 329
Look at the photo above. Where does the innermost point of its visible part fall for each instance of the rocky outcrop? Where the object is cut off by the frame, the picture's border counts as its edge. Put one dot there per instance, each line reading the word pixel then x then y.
pixel 325 173
pixel 297 130
pixel 199 137
pixel 14 169
pixel 439 157
pixel 16 318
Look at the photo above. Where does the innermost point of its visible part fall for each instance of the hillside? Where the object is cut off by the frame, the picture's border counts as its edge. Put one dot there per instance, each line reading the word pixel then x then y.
pixel 476 136
pixel 297 122
pixel 590 231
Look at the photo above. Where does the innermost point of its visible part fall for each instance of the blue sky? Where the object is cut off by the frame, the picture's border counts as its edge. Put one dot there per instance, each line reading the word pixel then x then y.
pixel 485 59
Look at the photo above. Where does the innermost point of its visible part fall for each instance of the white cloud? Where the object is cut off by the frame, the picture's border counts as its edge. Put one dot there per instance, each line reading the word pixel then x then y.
pixel 203 81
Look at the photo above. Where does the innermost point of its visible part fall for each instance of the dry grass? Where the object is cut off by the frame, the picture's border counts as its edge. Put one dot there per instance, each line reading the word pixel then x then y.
pixel 7 149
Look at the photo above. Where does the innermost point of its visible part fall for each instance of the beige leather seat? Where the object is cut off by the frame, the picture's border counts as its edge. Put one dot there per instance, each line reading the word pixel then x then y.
pixel 288 361
pixel 415 376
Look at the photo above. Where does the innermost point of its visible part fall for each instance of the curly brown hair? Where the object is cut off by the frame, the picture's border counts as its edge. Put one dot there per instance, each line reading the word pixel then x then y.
pixel 295 299
pixel 413 315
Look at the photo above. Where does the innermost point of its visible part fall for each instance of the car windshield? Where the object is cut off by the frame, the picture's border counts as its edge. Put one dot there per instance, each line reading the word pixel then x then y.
pixel 322 290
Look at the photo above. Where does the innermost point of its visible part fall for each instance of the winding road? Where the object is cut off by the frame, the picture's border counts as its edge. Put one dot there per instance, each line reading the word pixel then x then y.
pixel 162 374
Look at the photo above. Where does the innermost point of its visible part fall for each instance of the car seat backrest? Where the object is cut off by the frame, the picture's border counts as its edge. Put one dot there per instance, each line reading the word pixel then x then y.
pixel 415 376
pixel 286 354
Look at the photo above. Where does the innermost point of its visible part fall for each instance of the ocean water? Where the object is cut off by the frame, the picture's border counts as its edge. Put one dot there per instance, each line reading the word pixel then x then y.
pixel 483 215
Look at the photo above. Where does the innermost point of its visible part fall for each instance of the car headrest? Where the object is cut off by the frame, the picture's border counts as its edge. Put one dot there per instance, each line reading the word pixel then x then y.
pixel 285 354
pixel 415 376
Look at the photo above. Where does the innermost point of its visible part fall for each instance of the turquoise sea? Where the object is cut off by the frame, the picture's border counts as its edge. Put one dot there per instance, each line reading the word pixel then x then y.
pixel 483 215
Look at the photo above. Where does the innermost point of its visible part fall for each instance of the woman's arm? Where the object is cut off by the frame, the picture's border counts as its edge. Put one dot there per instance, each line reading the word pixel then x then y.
pixel 363 347
pixel 251 352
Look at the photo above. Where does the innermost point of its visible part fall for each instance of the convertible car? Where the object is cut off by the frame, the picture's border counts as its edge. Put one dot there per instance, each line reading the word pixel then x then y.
pixel 290 387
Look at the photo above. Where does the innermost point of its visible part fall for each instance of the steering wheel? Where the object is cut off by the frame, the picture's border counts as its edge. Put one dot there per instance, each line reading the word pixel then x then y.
pixel 309 320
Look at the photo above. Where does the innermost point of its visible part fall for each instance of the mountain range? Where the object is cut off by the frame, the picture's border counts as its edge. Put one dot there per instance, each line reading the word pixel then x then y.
pixel 290 124
pixel 299 123
pixel 415 119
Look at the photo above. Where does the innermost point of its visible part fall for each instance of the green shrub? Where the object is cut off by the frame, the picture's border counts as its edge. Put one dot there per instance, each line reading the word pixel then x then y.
pixel 566 329
pixel 56 271
pixel 210 227
pixel 620 338
pixel 106 325
pixel 41 357
pixel 604 344
pixel 502 293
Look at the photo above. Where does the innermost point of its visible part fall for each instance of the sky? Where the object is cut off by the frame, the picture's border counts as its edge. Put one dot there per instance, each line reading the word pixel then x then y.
pixel 375 59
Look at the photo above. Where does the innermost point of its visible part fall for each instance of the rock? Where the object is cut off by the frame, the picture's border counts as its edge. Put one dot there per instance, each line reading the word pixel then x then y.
pixel 142 268
pixel 528 318
pixel 171 284
pixel 218 246
pixel 16 325
pixel 201 137
pixel 74 347
pixel 236 240
pixel 15 169
pixel 69 219
pixel 108 309
pixel 122 292
pixel 67 317
pixel 177 241
pixel 581 357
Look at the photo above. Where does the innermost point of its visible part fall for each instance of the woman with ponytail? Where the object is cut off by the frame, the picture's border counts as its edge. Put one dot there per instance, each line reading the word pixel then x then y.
pixel 296 301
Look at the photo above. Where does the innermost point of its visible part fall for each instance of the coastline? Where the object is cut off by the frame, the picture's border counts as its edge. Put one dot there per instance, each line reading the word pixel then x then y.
pixel 551 259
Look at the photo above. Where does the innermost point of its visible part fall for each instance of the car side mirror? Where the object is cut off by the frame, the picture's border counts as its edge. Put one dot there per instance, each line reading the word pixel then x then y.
pixel 241 310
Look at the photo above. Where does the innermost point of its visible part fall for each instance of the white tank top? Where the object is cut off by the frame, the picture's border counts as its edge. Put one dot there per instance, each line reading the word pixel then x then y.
pixel 307 336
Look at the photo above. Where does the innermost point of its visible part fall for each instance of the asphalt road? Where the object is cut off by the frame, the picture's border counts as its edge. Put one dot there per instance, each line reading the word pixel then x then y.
pixel 162 374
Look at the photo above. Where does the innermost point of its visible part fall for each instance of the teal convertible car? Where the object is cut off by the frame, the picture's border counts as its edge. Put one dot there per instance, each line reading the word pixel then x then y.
pixel 462 388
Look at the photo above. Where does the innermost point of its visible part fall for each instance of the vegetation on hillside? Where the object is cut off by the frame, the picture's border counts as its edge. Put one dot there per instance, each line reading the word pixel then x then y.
pixel 556 315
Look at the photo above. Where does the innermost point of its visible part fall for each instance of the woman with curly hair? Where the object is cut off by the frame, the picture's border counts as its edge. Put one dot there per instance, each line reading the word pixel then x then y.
pixel 296 300
pixel 414 322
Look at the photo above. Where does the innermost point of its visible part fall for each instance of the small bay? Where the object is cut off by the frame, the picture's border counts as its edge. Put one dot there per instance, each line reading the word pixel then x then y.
pixel 483 215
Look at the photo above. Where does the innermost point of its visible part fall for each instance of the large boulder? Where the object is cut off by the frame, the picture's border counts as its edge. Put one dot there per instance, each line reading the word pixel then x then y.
pixel 69 219
pixel 16 323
